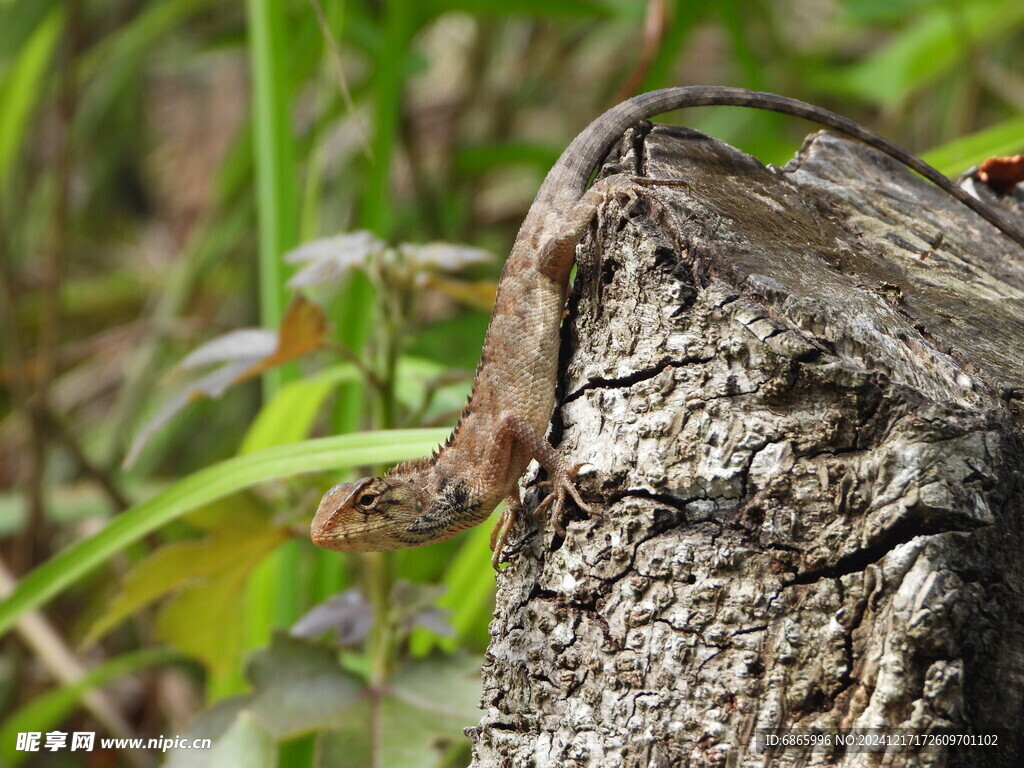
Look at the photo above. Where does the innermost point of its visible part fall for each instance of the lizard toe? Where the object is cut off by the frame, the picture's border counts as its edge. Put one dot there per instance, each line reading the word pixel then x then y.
pixel 502 528
pixel 563 487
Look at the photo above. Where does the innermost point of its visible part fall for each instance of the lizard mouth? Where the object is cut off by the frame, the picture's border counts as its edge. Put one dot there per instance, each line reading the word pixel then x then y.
pixel 323 529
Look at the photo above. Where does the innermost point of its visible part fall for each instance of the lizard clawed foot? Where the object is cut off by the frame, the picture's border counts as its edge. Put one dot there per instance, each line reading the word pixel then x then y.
pixel 499 534
pixel 632 193
pixel 626 190
pixel 563 486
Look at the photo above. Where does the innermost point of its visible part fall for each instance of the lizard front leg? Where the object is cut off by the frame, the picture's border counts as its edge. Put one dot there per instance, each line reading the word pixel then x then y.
pixel 515 437
pixel 557 257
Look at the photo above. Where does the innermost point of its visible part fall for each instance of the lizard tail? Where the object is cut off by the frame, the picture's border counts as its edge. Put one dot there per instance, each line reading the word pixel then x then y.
pixel 577 163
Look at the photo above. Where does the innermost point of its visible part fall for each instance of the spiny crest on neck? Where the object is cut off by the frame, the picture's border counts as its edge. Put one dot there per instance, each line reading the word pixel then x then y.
pixel 415 466
pixel 418 465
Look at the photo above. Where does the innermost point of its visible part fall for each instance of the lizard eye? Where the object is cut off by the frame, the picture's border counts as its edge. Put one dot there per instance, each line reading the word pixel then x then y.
pixel 367 499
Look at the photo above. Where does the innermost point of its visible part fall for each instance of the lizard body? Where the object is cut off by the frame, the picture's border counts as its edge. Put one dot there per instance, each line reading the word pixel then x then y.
pixel 503 424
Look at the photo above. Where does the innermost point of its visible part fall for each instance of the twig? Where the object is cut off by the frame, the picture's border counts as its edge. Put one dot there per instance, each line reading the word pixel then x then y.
pixel 54 654
pixel 339 71
pixel 655 23
pixel 85 464
pixel 347 354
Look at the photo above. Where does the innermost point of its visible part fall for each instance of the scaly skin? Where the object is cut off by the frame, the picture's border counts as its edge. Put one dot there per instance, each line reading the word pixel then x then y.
pixel 502 427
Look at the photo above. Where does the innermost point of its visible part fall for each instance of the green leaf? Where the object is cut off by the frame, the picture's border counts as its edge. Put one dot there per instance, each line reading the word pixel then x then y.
pixel 915 57
pixel 18 21
pixel 22 86
pixel 247 743
pixel 238 545
pixel 107 69
pixel 469 595
pixel 289 416
pixel 953 158
pixel 206 620
pixel 574 9
pixel 217 481
pixel 864 12
pixel 241 509
pixel 277 195
pixel 271 598
pixel 420 380
pixel 45 712
pixel 419 719
pixel 299 688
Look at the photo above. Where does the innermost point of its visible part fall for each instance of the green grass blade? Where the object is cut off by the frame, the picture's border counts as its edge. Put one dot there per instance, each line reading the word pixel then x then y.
pixel 205 486
pixel 571 9
pixel 105 72
pixel 271 593
pixel 45 712
pixel 924 51
pixel 22 87
pixel 398 25
pixel 19 19
pixel 289 416
pixel 277 194
pixel 1007 138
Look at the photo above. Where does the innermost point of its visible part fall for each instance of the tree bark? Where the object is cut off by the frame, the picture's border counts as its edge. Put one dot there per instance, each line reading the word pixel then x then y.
pixel 802 389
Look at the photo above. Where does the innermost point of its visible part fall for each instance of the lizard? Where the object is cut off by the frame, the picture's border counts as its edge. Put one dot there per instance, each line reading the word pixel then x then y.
pixel 502 427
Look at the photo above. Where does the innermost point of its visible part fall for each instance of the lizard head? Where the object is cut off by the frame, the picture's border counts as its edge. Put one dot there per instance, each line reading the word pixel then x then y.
pixel 373 514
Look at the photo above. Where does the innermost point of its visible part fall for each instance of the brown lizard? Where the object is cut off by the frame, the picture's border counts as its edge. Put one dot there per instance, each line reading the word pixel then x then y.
pixel 503 425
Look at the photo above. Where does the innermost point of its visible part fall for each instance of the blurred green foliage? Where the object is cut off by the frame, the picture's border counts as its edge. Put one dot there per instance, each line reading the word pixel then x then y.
pixel 157 161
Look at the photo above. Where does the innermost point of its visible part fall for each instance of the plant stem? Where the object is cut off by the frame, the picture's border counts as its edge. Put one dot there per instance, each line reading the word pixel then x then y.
pixel 271 594
pixel 377 568
pixel 277 194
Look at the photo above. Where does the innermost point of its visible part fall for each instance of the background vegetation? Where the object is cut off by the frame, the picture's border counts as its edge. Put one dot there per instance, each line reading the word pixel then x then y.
pixel 159 468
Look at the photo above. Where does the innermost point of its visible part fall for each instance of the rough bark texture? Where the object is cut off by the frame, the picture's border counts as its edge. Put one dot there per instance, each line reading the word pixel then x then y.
pixel 802 391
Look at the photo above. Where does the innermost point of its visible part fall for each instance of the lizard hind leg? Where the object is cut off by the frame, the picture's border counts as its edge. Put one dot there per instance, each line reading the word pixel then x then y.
pixel 561 475
pixel 564 487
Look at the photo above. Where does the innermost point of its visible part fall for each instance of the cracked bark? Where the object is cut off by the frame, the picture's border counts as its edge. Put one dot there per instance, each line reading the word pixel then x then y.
pixel 802 392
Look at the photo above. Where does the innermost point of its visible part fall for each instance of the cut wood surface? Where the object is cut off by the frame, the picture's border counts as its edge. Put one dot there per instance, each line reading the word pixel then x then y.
pixel 802 391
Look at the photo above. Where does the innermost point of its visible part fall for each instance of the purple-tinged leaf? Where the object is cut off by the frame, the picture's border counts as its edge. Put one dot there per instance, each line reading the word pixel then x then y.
pixel 347 614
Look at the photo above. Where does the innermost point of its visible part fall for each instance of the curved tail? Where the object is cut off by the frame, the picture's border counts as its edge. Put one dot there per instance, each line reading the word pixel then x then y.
pixel 577 163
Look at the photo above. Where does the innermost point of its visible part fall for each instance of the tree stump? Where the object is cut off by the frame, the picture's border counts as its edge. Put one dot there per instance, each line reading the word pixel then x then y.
pixel 801 389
